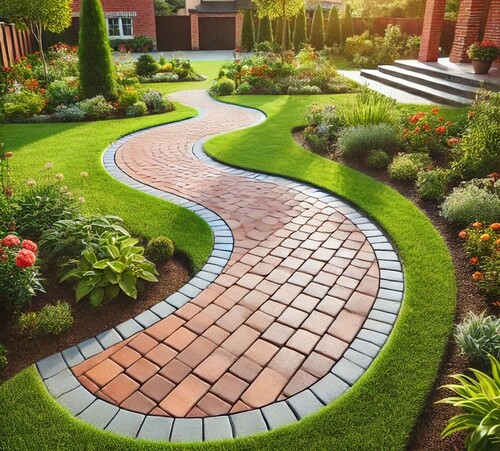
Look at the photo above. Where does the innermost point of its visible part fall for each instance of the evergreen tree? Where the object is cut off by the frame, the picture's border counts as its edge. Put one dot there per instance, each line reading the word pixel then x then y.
pixel 300 33
pixel 265 30
pixel 94 53
pixel 248 32
pixel 333 35
pixel 347 25
pixel 317 37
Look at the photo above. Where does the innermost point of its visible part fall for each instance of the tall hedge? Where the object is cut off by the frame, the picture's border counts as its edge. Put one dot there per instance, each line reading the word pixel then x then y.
pixel 248 32
pixel 317 37
pixel 300 31
pixel 347 25
pixel 97 75
pixel 265 30
pixel 333 35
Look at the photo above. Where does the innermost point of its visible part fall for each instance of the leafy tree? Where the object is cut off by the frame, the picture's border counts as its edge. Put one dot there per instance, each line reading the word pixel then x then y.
pixel 94 53
pixel 283 9
pixel 265 30
pixel 162 8
pixel 317 37
pixel 300 31
pixel 347 25
pixel 37 16
pixel 248 32
pixel 333 35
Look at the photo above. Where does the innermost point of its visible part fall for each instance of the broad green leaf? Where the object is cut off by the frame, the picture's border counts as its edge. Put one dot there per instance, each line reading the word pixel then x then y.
pixel 116 267
pixel 89 256
pixel 146 275
pixel 83 288
pixel 112 291
pixel 96 297
pixel 101 264
pixel 72 273
pixel 128 285
pixel 113 251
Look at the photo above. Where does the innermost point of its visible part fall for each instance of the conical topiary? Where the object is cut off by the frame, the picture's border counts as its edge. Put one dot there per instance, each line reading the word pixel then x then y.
pixel 333 35
pixel 317 37
pixel 97 75
pixel 248 32
pixel 347 25
pixel 265 30
pixel 299 32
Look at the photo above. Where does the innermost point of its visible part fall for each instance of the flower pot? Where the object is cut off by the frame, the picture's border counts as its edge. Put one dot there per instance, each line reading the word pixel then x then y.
pixel 480 66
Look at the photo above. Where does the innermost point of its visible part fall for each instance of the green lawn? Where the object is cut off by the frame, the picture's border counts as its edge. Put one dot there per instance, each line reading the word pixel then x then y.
pixel 380 411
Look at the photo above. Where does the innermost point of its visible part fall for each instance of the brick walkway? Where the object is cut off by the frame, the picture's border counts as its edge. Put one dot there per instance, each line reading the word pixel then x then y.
pixel 292 308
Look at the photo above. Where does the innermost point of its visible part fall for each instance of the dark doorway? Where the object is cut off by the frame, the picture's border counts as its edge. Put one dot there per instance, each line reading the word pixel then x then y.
pixel 173 33
pixel 217 33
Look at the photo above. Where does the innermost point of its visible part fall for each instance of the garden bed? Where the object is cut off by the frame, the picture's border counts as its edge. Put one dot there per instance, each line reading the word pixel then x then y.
pixel 88 322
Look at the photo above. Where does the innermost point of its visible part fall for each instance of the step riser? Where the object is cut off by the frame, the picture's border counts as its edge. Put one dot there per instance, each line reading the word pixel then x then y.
pixel 411 90
pixel 435 85
pixel 448 77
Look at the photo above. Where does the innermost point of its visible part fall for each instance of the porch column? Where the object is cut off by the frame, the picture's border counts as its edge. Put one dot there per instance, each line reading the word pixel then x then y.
pixel 469 26
pixel 238 22
pixel 431 31
pixel 195 31
pixel 492 32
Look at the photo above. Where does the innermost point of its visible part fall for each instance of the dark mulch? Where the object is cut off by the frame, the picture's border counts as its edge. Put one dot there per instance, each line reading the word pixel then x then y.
pixel 426 435
pixel 88 322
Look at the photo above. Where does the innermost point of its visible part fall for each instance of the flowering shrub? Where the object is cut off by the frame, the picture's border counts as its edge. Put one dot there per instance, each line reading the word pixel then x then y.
pixel 19 275
pixel 482 247
pixel 483 51
pixel 427 132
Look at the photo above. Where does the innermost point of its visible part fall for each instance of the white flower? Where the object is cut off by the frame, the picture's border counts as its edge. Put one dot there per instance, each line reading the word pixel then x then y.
pixel 48 166
pixel 84 174
pixel 30 183
pixel 81 199
pixel 59 176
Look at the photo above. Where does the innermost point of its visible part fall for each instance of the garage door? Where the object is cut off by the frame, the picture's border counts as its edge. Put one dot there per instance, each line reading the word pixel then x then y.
pixel 217 33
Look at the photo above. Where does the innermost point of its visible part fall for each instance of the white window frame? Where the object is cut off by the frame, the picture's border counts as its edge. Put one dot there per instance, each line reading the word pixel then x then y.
pixel 120 27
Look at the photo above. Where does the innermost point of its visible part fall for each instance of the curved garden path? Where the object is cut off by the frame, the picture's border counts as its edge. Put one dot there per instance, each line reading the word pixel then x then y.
pixel 297 298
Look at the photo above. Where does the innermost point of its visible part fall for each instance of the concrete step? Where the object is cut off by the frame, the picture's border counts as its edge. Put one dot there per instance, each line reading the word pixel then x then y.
pixel 418 89
pixel 430 81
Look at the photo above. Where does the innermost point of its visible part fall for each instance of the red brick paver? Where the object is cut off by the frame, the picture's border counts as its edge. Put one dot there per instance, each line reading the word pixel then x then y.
pixel 297 289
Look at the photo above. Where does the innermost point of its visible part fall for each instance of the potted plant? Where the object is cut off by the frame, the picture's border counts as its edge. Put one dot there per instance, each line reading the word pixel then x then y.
pixel 482 55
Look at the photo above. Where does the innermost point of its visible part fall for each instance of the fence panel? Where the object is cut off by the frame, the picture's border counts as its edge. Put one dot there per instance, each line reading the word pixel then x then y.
pixel 13 44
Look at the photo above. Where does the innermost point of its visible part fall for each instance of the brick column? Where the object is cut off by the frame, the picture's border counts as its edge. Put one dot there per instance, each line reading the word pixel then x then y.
pixel 492 32
pixel 469 20
pixel 238 22
pixel 195 31
pixel 431 31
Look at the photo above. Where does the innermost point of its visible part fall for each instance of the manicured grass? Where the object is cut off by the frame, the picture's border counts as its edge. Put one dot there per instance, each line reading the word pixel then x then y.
pixel 77 147
pixel 381 409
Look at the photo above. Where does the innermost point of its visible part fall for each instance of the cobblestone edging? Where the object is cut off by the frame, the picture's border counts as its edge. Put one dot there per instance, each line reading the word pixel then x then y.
pixel 66 388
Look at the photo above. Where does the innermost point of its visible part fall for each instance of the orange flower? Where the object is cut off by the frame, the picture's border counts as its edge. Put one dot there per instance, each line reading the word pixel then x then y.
pixel 495 226
pixel 494 175
pixel 485 237
pixel 440 129
pixel 426 127
pixel 478 275
pixel 497 242
pixel 477 224
pixel 474 260
pixel 496 303
pixel 463 234
pixel 435 111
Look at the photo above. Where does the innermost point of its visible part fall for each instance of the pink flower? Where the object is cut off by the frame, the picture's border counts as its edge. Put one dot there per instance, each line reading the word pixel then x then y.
pixel 30 245
pixel 25 258
pixel 10 240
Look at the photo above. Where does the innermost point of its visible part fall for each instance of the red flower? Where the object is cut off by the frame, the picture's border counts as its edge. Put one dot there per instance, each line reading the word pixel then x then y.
pixel 426 127
pixel 25 258
pixel 9 155
pixel 495 226
pixel 30 245
pixel 435 111
pixel 477 224
pixel 10 240
pixel 463 234
pixel 441 129
pixel 474 260
pixel 494 175
pixel 448 123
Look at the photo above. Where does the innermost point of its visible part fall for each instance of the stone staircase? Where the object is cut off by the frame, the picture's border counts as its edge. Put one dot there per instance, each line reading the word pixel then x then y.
pixel 441 82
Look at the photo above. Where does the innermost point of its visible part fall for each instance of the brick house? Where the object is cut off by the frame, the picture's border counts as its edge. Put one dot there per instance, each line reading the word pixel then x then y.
pixel 477 20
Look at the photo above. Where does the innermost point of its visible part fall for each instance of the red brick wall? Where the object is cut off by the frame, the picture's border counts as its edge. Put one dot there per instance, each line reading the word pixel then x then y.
pixel 492 32
pixel 144 21
pixel 431 31
pixel 469 21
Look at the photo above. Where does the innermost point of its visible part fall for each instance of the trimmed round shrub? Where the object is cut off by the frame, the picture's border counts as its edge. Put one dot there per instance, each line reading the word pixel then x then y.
pixel 3 357
pixel 95 108
pixel 137 109
pixel 146 65
pixel 406 166
pixel 477 336
pixel 357 141
pixel 244 88
pixel 378 159
pixel 55 319
pixel 225 86
pixel 469 203
pixel 159 249
pixel 431 185
pixel 156 102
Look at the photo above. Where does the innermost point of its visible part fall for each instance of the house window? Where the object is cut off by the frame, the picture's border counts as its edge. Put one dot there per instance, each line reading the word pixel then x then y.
pixel 120 27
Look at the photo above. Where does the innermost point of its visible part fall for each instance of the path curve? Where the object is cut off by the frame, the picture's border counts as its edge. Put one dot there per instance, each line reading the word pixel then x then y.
pixel 300 293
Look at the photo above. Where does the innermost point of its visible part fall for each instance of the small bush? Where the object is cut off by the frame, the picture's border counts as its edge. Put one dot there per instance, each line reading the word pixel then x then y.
pixel 127 98
pixel 3 357
pixel 95 108
pixel 469 203
pixel 146 66
pixel 62 93
pixel 71 113
pixel 137 109
pixel 159 249
pixel 156 102
pixel 407 165
pixel 27 324
pixel 225 86
pixel 431 185
pixel 55 319
pixel 244 88
pixel 378 159
pixel 19 105
pixel 477 336
pixel 356 141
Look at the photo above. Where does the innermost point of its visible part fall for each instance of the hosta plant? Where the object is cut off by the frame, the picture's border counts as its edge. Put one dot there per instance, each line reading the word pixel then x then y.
pixel 480 398
pixel 117 264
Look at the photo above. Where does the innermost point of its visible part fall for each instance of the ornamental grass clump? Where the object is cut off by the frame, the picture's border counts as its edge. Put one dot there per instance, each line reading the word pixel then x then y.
pixel 357 141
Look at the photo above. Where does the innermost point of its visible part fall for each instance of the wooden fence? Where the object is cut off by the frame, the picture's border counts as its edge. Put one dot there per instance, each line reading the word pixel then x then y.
pixel 13 44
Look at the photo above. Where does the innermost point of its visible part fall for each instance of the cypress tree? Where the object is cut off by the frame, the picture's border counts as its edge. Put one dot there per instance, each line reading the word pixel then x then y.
pixel 347 25
pixel 248 32
pixel 299 32
pixel 94 53
pixel 333 31
pixel 265 30
pixel 317 37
